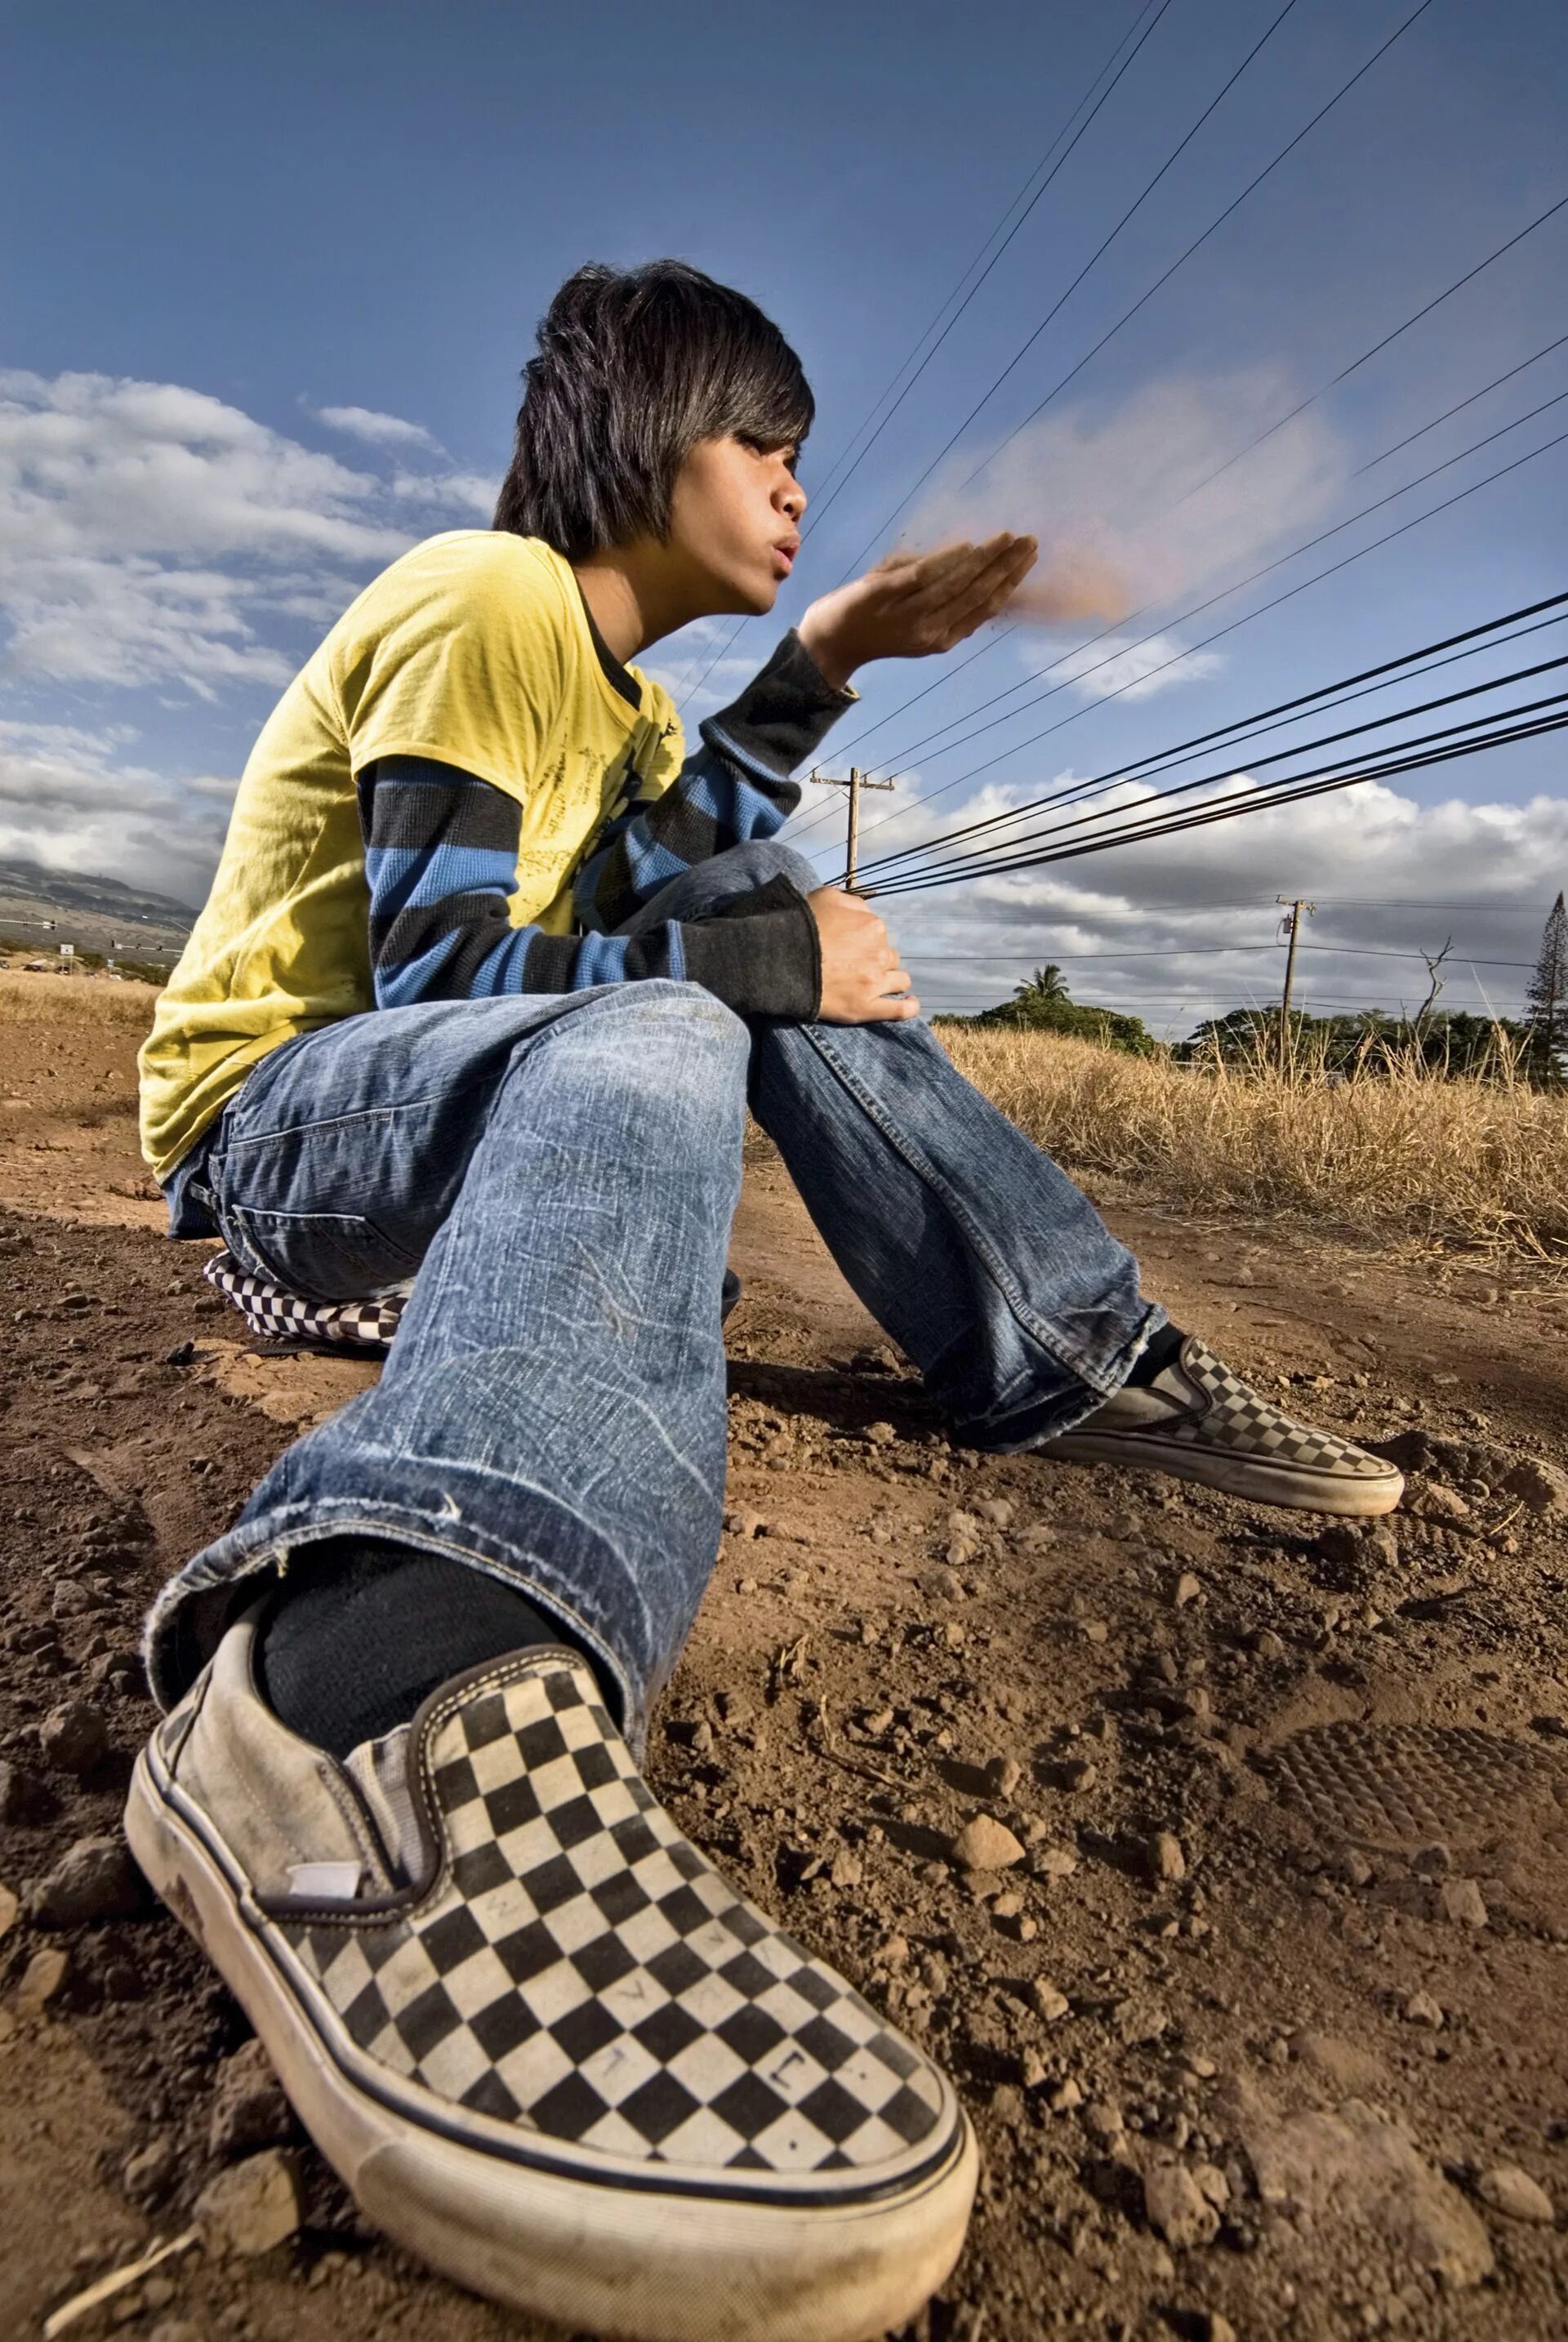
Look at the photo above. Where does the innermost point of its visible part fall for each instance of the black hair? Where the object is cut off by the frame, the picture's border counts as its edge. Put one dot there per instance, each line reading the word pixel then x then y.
pixel 636 365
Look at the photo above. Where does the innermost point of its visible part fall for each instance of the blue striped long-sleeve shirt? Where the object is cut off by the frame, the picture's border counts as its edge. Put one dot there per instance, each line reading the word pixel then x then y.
pixel 441 862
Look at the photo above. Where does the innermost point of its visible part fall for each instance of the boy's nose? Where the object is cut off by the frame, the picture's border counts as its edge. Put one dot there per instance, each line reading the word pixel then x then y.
pixel 792 501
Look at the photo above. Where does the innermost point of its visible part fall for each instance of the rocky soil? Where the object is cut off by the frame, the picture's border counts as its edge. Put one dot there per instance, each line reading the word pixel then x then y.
pixel 1222 1854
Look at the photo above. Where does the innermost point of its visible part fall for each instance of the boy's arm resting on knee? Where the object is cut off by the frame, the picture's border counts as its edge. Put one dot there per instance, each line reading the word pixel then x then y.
pixel 735 787
pixel 441 863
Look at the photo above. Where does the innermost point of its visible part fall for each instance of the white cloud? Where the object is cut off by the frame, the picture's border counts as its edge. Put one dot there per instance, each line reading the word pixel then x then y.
pixel 1391 877
pixel 379 430
pixel 152 534
pixel 1121 667
pixel 73 799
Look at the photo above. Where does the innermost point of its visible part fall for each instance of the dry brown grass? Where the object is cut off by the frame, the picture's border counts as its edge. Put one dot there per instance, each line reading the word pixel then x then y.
pixel 1481 1163
pixel 73 999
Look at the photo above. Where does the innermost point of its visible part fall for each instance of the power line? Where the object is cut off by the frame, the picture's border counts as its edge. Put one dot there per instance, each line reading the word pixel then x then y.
pixel 989 859
pixel 1160 7
pixel 1240 586
pixel 1345 372
pixel 1472 641
pixel 1278 793
pixel 1191 951
pixel 1220 632
pixel 1343 91
pixel 941 681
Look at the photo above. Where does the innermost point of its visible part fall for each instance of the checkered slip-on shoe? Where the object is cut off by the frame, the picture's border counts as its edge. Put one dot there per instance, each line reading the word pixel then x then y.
pixel 1201 1422
pixel 546 2044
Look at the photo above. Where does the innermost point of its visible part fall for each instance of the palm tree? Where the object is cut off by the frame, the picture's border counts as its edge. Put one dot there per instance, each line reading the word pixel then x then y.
pixel 1045 984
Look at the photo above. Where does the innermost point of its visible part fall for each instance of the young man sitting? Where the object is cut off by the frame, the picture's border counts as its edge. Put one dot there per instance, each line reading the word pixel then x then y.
pixel 485 983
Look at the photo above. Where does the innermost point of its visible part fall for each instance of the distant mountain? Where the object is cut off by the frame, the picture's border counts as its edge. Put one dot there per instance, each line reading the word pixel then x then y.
pixel 88 910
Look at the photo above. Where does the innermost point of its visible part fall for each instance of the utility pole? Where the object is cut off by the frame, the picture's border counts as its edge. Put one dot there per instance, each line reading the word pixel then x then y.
pixel 1291 928
pixel 855 783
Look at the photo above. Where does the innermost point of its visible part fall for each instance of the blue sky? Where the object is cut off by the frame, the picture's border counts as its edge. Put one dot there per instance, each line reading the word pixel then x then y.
pixel 240 237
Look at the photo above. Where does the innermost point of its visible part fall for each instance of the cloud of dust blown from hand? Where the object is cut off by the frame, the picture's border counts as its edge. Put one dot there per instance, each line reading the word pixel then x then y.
pixel 1122 502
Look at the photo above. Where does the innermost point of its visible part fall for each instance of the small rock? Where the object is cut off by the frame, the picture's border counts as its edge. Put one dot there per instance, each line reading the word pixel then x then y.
pixel 955 1633
pixel 9 1906
pixel 985 1844
pixel 1432 1862
pixel 1267 1644
pixel 1006 1906
pixel 249 2109
pixel 940 1585
pixel 879 1434
pixel 743 1523
pixel 1175 2205
pixel 1007 2101
pixel 251 2205
pixel 1034 2070
pixel 95 1880
pixel 18 1792
pixel 963 1525
pixel 1053 1862
pixel 151 2172
pixel 1165 1857
pixel 1065 2097
pixel 1355 2073
pixel 1541 1486
pixel 1095 1630
pixel 1507 2189
pixel 42 1982
pixel 73 1737
pixel 1003 1774
pixel 845 1870
pixel 1211 2185
pixel 1355 1868
pixel 1212 2325
pixel 996 1510
pixel 1187 1589
pixel 1459 1900
pixel 1036 1539
pixel 1047 2002
pixel 1441 1503
pixel 181 1355
pixel 1103 2120
pixel 1079 1775
pixel 1421 2009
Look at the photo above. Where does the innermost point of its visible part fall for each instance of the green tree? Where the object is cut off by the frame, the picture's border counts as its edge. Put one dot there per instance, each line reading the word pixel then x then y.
pixel 1546 998
pixel 1045 984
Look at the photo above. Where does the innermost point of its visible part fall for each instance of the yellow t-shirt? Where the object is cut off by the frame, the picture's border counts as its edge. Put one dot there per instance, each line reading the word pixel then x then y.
pixel 474 649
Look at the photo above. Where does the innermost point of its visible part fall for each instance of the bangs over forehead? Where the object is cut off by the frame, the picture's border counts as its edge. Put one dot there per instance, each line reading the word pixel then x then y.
pixel 634 367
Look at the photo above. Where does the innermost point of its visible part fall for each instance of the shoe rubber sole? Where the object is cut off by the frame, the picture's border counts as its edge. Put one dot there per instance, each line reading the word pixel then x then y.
pixel 641 2265
pixel 1238 1475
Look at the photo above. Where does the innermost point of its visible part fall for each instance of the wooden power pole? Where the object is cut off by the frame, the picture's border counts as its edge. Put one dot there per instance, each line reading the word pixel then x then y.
pixel 855 783
pixel 1291 925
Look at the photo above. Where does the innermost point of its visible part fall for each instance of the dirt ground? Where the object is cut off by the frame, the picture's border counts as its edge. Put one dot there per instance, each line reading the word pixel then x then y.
pixel 1265 2026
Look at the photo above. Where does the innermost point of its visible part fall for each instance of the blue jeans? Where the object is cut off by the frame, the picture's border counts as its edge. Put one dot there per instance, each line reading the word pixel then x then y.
pixel 562 1170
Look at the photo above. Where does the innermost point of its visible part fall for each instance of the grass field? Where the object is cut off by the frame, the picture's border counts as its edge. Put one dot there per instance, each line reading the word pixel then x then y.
pixel 1483 1163
pixel 1469 1162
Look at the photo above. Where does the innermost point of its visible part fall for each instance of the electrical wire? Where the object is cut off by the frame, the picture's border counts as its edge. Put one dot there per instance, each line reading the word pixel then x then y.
pixel 1160 7
pixel 988 858
pixel 1252 185
pixel 1004 633
pixel 1220 633
pixel 1474 642
pixel 1279 792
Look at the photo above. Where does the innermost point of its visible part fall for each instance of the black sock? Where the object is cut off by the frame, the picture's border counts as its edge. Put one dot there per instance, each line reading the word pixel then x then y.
pixel 370 1630
pixel 1164 1349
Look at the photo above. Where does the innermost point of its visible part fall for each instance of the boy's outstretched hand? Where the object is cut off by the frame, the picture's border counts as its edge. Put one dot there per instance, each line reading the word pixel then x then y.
pixel 913 604
pixel 861 981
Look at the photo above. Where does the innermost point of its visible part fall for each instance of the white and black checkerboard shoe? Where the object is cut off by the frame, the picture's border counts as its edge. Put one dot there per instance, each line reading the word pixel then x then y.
pixel 1199 1420
pixel 544 2043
